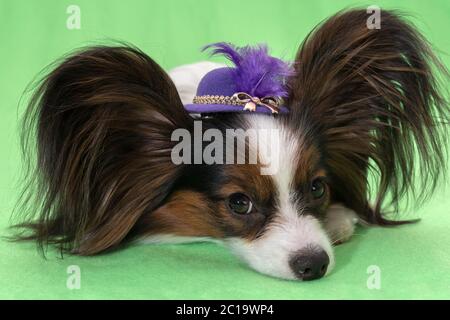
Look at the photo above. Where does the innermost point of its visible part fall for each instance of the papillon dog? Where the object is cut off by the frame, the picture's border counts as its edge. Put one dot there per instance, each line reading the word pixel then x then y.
pixel 362 107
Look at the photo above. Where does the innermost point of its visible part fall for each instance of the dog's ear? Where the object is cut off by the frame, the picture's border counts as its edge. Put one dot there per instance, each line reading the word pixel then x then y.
pixel 103 121
pixel 373 98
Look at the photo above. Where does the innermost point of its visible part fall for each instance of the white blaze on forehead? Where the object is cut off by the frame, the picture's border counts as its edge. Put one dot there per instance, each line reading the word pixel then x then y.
pixel 288 152
pixel 290 230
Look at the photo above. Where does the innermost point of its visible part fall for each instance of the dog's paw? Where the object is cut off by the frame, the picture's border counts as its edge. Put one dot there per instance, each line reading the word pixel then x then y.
pixel 340 223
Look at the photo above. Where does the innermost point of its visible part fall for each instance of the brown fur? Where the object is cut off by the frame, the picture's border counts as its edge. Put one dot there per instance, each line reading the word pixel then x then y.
pixel 186 213
pixel 373 99
pixel 103 118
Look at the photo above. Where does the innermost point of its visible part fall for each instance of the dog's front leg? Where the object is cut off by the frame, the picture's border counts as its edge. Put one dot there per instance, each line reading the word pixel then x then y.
pixel 340 223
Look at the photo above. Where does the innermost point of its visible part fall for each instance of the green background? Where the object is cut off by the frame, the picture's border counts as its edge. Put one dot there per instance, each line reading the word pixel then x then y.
pixel 414 260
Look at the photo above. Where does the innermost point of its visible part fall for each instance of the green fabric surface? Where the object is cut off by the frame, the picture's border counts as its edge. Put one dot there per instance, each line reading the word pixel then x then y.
pixel 414 260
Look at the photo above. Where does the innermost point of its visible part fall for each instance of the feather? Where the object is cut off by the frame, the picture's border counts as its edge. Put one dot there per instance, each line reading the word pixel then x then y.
pixel 255 71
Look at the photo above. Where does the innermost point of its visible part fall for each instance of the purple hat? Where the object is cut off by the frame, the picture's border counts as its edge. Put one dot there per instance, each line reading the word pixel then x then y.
pixel 256 83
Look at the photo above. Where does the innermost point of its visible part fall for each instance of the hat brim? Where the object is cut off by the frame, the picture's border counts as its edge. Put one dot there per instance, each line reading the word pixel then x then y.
pixel 214 108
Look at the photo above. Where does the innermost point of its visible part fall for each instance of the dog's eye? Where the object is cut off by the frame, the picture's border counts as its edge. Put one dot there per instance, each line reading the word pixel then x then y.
pixel 239 203
pixel 318 188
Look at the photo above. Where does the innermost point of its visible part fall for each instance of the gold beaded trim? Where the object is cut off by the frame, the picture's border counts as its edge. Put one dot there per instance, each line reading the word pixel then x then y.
pixel 210 99
pixel 241 99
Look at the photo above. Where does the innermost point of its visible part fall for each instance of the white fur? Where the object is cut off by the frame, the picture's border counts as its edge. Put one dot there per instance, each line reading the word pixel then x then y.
pixel 340 223
pixel 270 254
pixel 291 231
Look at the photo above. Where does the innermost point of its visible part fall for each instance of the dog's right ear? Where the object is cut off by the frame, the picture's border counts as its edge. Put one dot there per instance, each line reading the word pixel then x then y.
pixel 102 122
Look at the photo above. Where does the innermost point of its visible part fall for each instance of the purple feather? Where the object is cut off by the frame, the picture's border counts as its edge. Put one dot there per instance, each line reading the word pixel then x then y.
pixel 255 72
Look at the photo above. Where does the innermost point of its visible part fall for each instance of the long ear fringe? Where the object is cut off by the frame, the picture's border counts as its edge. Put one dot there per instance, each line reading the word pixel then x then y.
pixel 377 100
pixel 100 126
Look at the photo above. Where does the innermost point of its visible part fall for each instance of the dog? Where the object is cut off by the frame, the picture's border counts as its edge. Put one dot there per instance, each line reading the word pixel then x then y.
pixel 358 103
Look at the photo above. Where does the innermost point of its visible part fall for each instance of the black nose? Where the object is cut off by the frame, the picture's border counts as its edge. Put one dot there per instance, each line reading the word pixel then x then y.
pixel 310 264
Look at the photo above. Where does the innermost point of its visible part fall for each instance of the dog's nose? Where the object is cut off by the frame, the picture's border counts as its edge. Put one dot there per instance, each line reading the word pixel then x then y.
pixel 310 264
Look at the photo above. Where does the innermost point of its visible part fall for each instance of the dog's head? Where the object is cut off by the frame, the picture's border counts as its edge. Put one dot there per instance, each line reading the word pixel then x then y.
pixel 361 100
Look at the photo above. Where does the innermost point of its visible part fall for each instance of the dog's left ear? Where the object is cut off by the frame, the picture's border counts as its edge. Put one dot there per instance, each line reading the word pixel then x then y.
pixel 372 97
